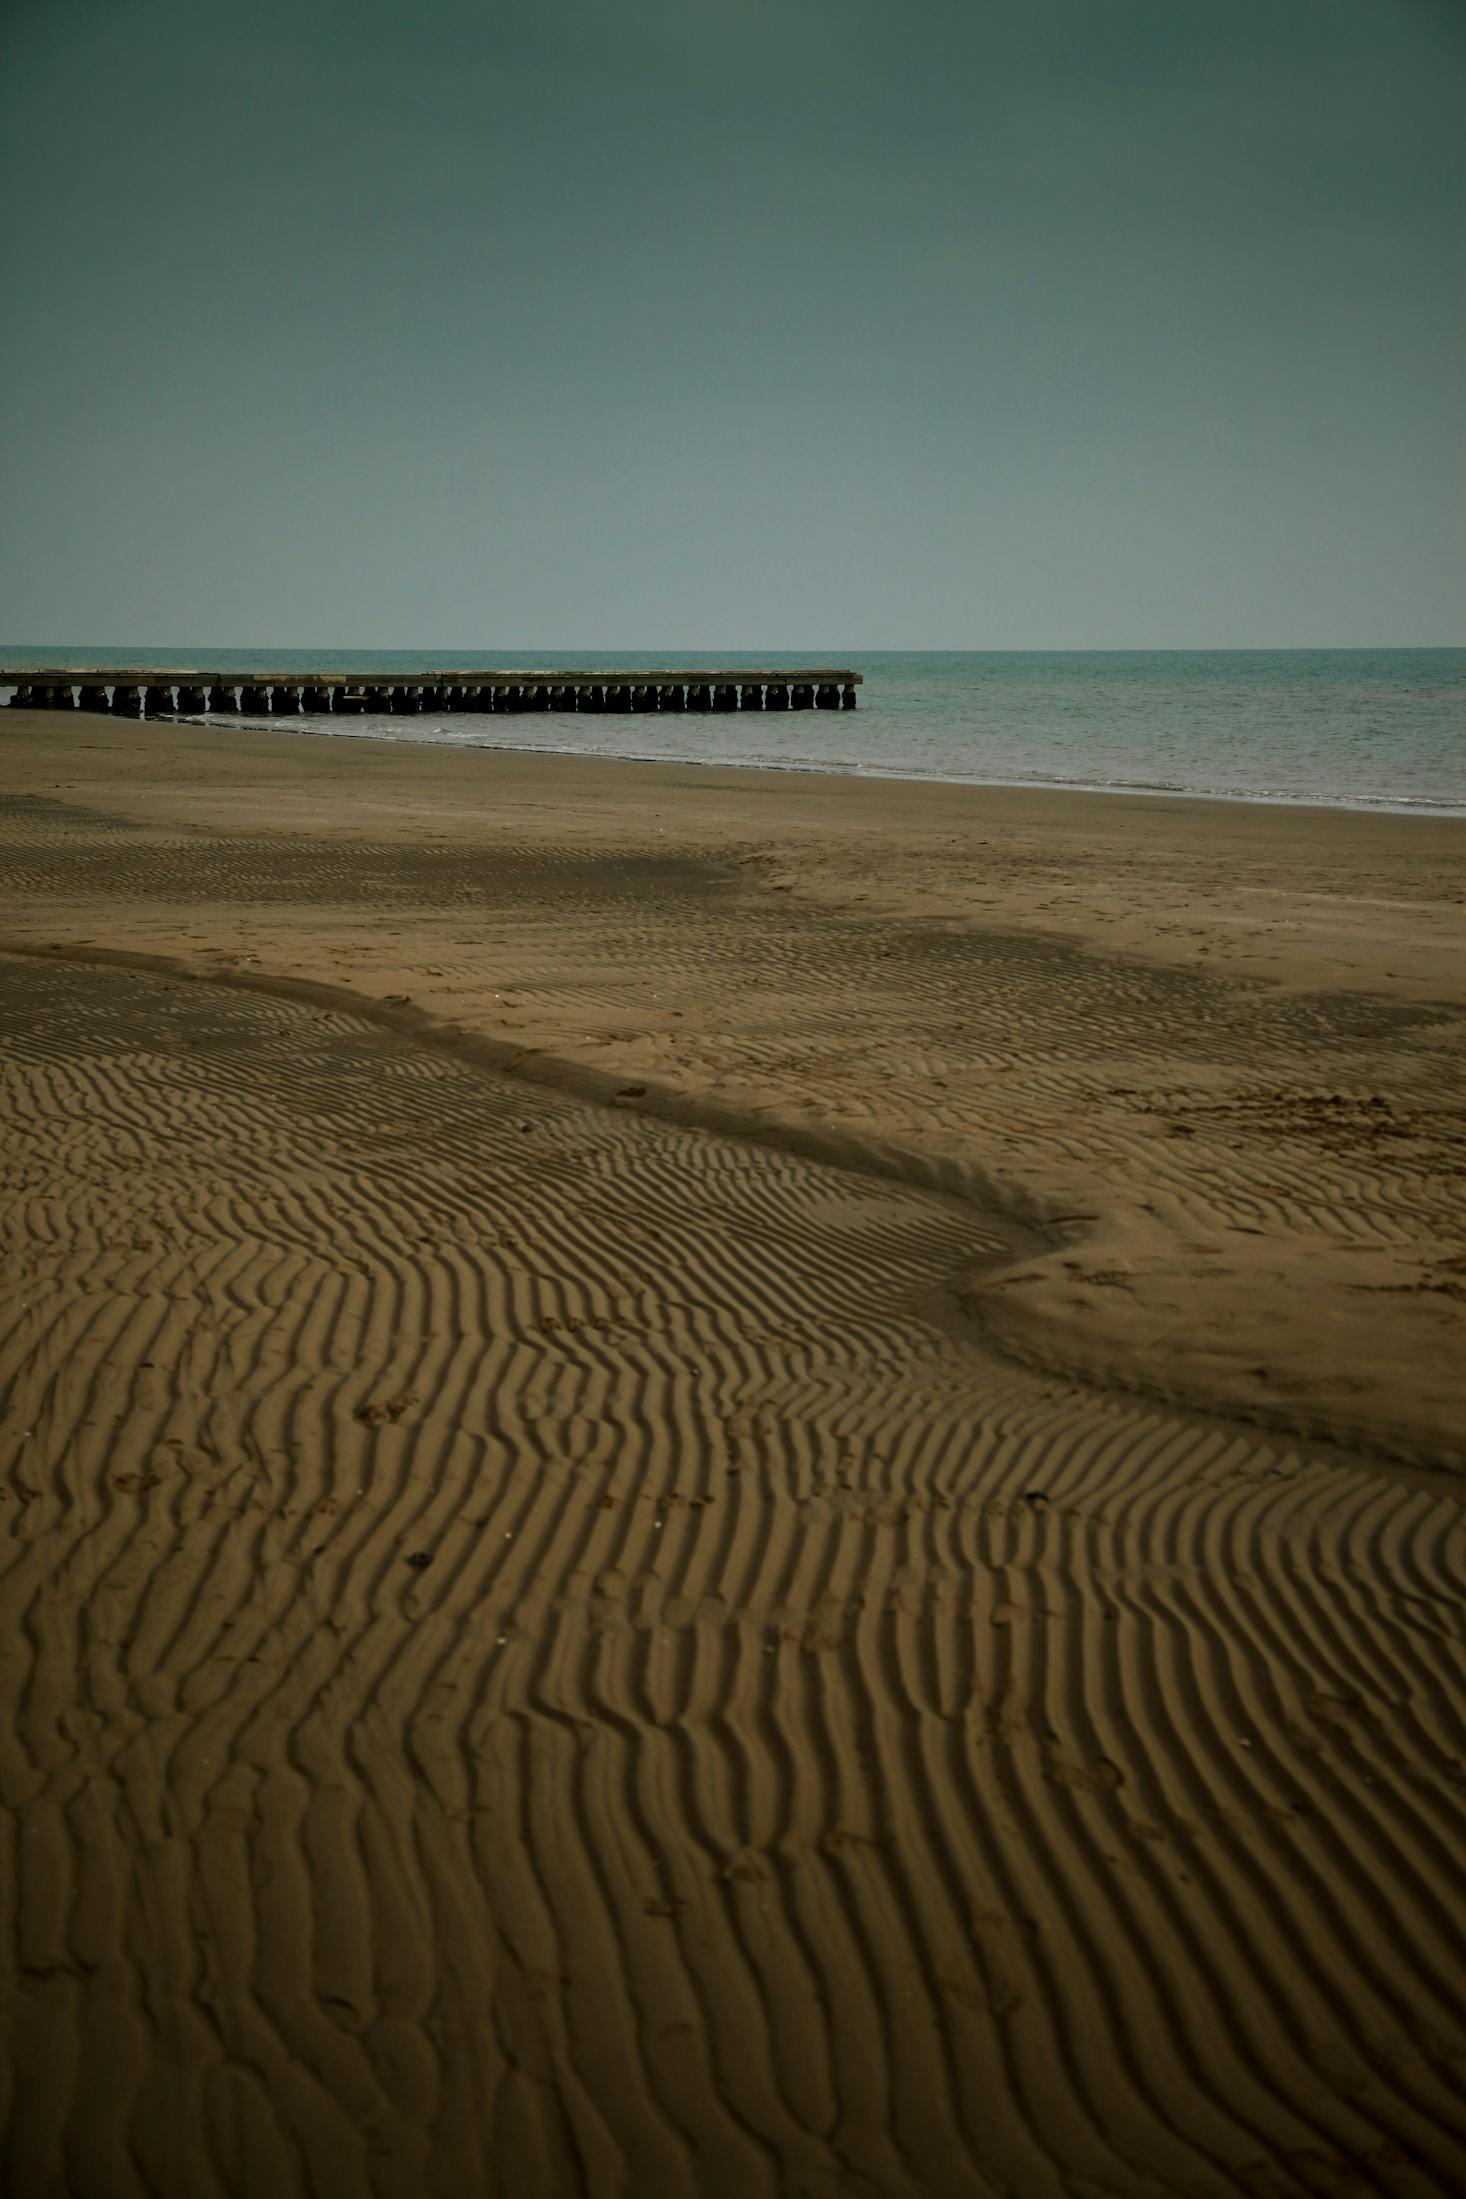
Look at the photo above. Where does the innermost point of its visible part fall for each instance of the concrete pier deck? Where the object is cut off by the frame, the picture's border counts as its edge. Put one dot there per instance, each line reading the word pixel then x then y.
pixel 154 691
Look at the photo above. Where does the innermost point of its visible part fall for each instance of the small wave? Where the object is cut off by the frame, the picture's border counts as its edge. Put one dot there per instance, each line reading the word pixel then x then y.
pixel 449 734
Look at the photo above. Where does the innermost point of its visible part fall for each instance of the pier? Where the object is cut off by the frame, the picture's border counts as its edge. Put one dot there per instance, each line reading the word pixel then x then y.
pixel 186 691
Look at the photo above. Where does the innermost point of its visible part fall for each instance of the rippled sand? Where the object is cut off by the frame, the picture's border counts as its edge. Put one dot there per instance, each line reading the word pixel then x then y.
pixel 619 1615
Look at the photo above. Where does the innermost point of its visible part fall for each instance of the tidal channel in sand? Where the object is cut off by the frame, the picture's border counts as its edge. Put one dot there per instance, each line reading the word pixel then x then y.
pixel 548 1647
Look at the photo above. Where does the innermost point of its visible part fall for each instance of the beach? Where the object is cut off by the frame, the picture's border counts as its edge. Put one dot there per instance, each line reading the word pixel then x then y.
pixel 724 1481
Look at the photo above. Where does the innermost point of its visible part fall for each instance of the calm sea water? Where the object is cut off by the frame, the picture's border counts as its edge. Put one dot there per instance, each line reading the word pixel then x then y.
pixel 1372 728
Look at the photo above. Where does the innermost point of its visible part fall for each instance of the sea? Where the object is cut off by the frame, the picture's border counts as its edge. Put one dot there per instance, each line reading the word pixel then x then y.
pixel 1344 728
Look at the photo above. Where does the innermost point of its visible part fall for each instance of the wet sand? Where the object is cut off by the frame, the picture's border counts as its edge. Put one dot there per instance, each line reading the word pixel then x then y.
pixel 721 1483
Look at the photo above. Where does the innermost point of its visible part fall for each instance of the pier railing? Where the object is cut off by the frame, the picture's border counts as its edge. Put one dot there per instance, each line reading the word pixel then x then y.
pixel 134 692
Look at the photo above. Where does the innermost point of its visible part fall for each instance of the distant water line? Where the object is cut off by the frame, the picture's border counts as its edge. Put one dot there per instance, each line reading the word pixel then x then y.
pixel 1357 728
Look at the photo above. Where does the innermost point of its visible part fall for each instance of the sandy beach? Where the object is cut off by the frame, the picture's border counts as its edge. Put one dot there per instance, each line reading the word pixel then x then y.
pixel 724 1483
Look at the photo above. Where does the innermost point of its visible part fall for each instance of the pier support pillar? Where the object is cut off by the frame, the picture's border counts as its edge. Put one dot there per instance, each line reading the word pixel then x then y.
pixel 316 700
pixel 699 697
pixel 671 698
pixel 127 702
pixel 94 698
pixel 847 696
pixel 776 696
pixel 159 701
pixel 224 700
pixel 750 696
pixel 254 701
pixel 802 698
pixel 287 702
pixel 191 699
pixel 827 697
pixel 725 698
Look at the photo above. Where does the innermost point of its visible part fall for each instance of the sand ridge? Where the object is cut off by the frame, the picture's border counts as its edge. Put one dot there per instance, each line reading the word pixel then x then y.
pixel 1268 1179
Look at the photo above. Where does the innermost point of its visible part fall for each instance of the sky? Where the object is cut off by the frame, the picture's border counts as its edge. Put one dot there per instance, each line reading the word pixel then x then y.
pixel 700 324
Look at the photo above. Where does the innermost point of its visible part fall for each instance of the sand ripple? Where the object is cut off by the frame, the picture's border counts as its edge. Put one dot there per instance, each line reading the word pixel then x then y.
pixel 541 1653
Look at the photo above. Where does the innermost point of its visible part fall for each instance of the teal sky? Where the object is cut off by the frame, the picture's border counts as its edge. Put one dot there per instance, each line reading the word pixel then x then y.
pixel 828 324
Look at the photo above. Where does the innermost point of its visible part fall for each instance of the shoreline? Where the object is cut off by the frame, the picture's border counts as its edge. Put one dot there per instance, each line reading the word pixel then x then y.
pixel 1368 806
pixel 1362 805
